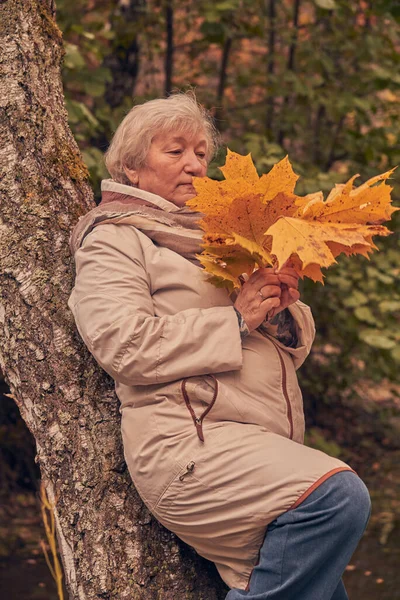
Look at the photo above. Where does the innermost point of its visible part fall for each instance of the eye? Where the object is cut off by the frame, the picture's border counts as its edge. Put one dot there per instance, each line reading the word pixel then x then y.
pixel 175 152
pixel 201 155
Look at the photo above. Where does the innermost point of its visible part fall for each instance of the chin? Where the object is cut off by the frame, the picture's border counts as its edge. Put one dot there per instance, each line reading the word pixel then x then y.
pixel 181 201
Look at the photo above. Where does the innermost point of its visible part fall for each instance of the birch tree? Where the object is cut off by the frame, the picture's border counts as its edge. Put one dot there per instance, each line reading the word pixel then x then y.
pixel 110 545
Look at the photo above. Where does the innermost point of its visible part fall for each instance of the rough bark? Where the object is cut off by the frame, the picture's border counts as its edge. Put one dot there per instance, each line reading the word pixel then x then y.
pixel 111 547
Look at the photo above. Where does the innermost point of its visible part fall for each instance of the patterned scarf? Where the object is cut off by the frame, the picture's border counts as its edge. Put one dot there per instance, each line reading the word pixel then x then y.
pixel 164 223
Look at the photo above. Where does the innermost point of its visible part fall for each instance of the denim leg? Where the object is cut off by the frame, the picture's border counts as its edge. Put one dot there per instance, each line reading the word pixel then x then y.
pixel 340 592
pixel 307 549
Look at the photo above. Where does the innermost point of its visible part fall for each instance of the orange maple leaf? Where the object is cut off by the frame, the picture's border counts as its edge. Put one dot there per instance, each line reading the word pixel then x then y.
pixel 252 221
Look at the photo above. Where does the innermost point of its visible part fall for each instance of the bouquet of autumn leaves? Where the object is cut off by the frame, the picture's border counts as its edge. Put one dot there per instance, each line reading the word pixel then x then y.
pixel 251 221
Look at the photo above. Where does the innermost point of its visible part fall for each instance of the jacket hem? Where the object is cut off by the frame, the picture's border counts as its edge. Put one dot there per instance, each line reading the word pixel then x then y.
pixel 318 483
pixel 301 499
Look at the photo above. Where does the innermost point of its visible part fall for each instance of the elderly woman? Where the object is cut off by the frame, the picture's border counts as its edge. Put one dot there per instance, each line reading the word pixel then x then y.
pixel 212 416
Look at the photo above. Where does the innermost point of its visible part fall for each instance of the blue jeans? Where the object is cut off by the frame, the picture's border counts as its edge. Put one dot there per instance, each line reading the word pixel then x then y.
pixel 307 549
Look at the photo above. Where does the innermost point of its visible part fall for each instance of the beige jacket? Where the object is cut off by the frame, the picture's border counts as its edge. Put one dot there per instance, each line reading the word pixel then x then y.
pixel 220 461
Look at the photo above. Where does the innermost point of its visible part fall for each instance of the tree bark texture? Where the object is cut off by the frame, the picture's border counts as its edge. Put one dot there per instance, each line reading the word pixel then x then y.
pixel 110 545
pixel 169 53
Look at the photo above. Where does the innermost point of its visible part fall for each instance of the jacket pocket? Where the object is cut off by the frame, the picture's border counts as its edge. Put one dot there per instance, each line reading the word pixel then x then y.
pixel 175 486
pixel 198 417
pixel 285 392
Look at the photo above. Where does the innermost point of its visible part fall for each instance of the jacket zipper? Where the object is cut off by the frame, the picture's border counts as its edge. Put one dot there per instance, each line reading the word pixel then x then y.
pixel 198 421
pixel 189 469
pixel 285 393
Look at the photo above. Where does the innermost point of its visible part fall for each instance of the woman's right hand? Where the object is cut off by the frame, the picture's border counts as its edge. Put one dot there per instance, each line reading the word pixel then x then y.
pixel 258 296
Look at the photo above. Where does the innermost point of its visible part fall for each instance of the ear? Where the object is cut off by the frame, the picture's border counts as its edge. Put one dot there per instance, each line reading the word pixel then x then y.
pixel 132 175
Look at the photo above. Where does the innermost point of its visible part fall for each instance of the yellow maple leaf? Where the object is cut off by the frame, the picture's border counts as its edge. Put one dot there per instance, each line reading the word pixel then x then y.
pixel 346 204
pixel 280 179
pixel 252 221
pixel 241 180
pixel 226 272
pixel 318 243
pixel 239 167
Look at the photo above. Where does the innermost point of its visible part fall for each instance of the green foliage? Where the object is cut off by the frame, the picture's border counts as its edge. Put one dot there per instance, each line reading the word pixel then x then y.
pixel 315 438
pixel 357 314
pixel 325 92
pixel 334 81
pixel 86 43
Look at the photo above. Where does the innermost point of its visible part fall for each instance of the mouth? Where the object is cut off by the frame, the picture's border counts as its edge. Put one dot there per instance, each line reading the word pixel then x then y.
pixel 189 186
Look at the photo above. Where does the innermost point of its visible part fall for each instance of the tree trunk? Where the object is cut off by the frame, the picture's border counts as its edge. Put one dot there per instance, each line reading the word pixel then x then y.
pixel 290 66
pixel 169 53
pixel 222 81
pixel 124 60
pixel 110 545
pixel 270 68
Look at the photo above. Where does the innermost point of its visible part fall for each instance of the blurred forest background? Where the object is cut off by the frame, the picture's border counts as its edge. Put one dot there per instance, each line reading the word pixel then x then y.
pixel 318 80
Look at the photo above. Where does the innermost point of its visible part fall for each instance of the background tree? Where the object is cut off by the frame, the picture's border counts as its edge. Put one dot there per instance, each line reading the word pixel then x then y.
pixel 123 60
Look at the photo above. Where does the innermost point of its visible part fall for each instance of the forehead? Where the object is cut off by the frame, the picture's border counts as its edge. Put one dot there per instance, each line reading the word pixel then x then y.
pixel 180 137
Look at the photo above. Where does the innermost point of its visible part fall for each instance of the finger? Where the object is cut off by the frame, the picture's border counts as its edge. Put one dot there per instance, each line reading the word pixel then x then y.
pixel 274 311
pixel 261 274
pixel 295 294
pixel 287 271
pixel 290 297
pixel 289 280
pixel 269 291
pixel 265 278
pixel 287 263
pixel 270 304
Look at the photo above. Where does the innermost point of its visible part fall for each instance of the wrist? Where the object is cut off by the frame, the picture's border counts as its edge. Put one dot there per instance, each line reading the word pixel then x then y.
pixel 243 328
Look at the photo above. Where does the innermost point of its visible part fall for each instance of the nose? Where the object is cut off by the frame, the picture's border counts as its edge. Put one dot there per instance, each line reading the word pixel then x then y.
pixel 193 165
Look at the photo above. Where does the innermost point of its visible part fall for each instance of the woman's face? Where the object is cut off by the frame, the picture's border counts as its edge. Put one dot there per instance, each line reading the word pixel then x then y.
pixel 172 162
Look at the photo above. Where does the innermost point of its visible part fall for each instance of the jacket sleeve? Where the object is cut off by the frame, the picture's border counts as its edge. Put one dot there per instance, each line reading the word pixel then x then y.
pixel 305 327
pixel 113 310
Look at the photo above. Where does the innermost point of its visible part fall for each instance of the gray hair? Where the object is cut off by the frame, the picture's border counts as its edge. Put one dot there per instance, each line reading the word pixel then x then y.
pixel 131 142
